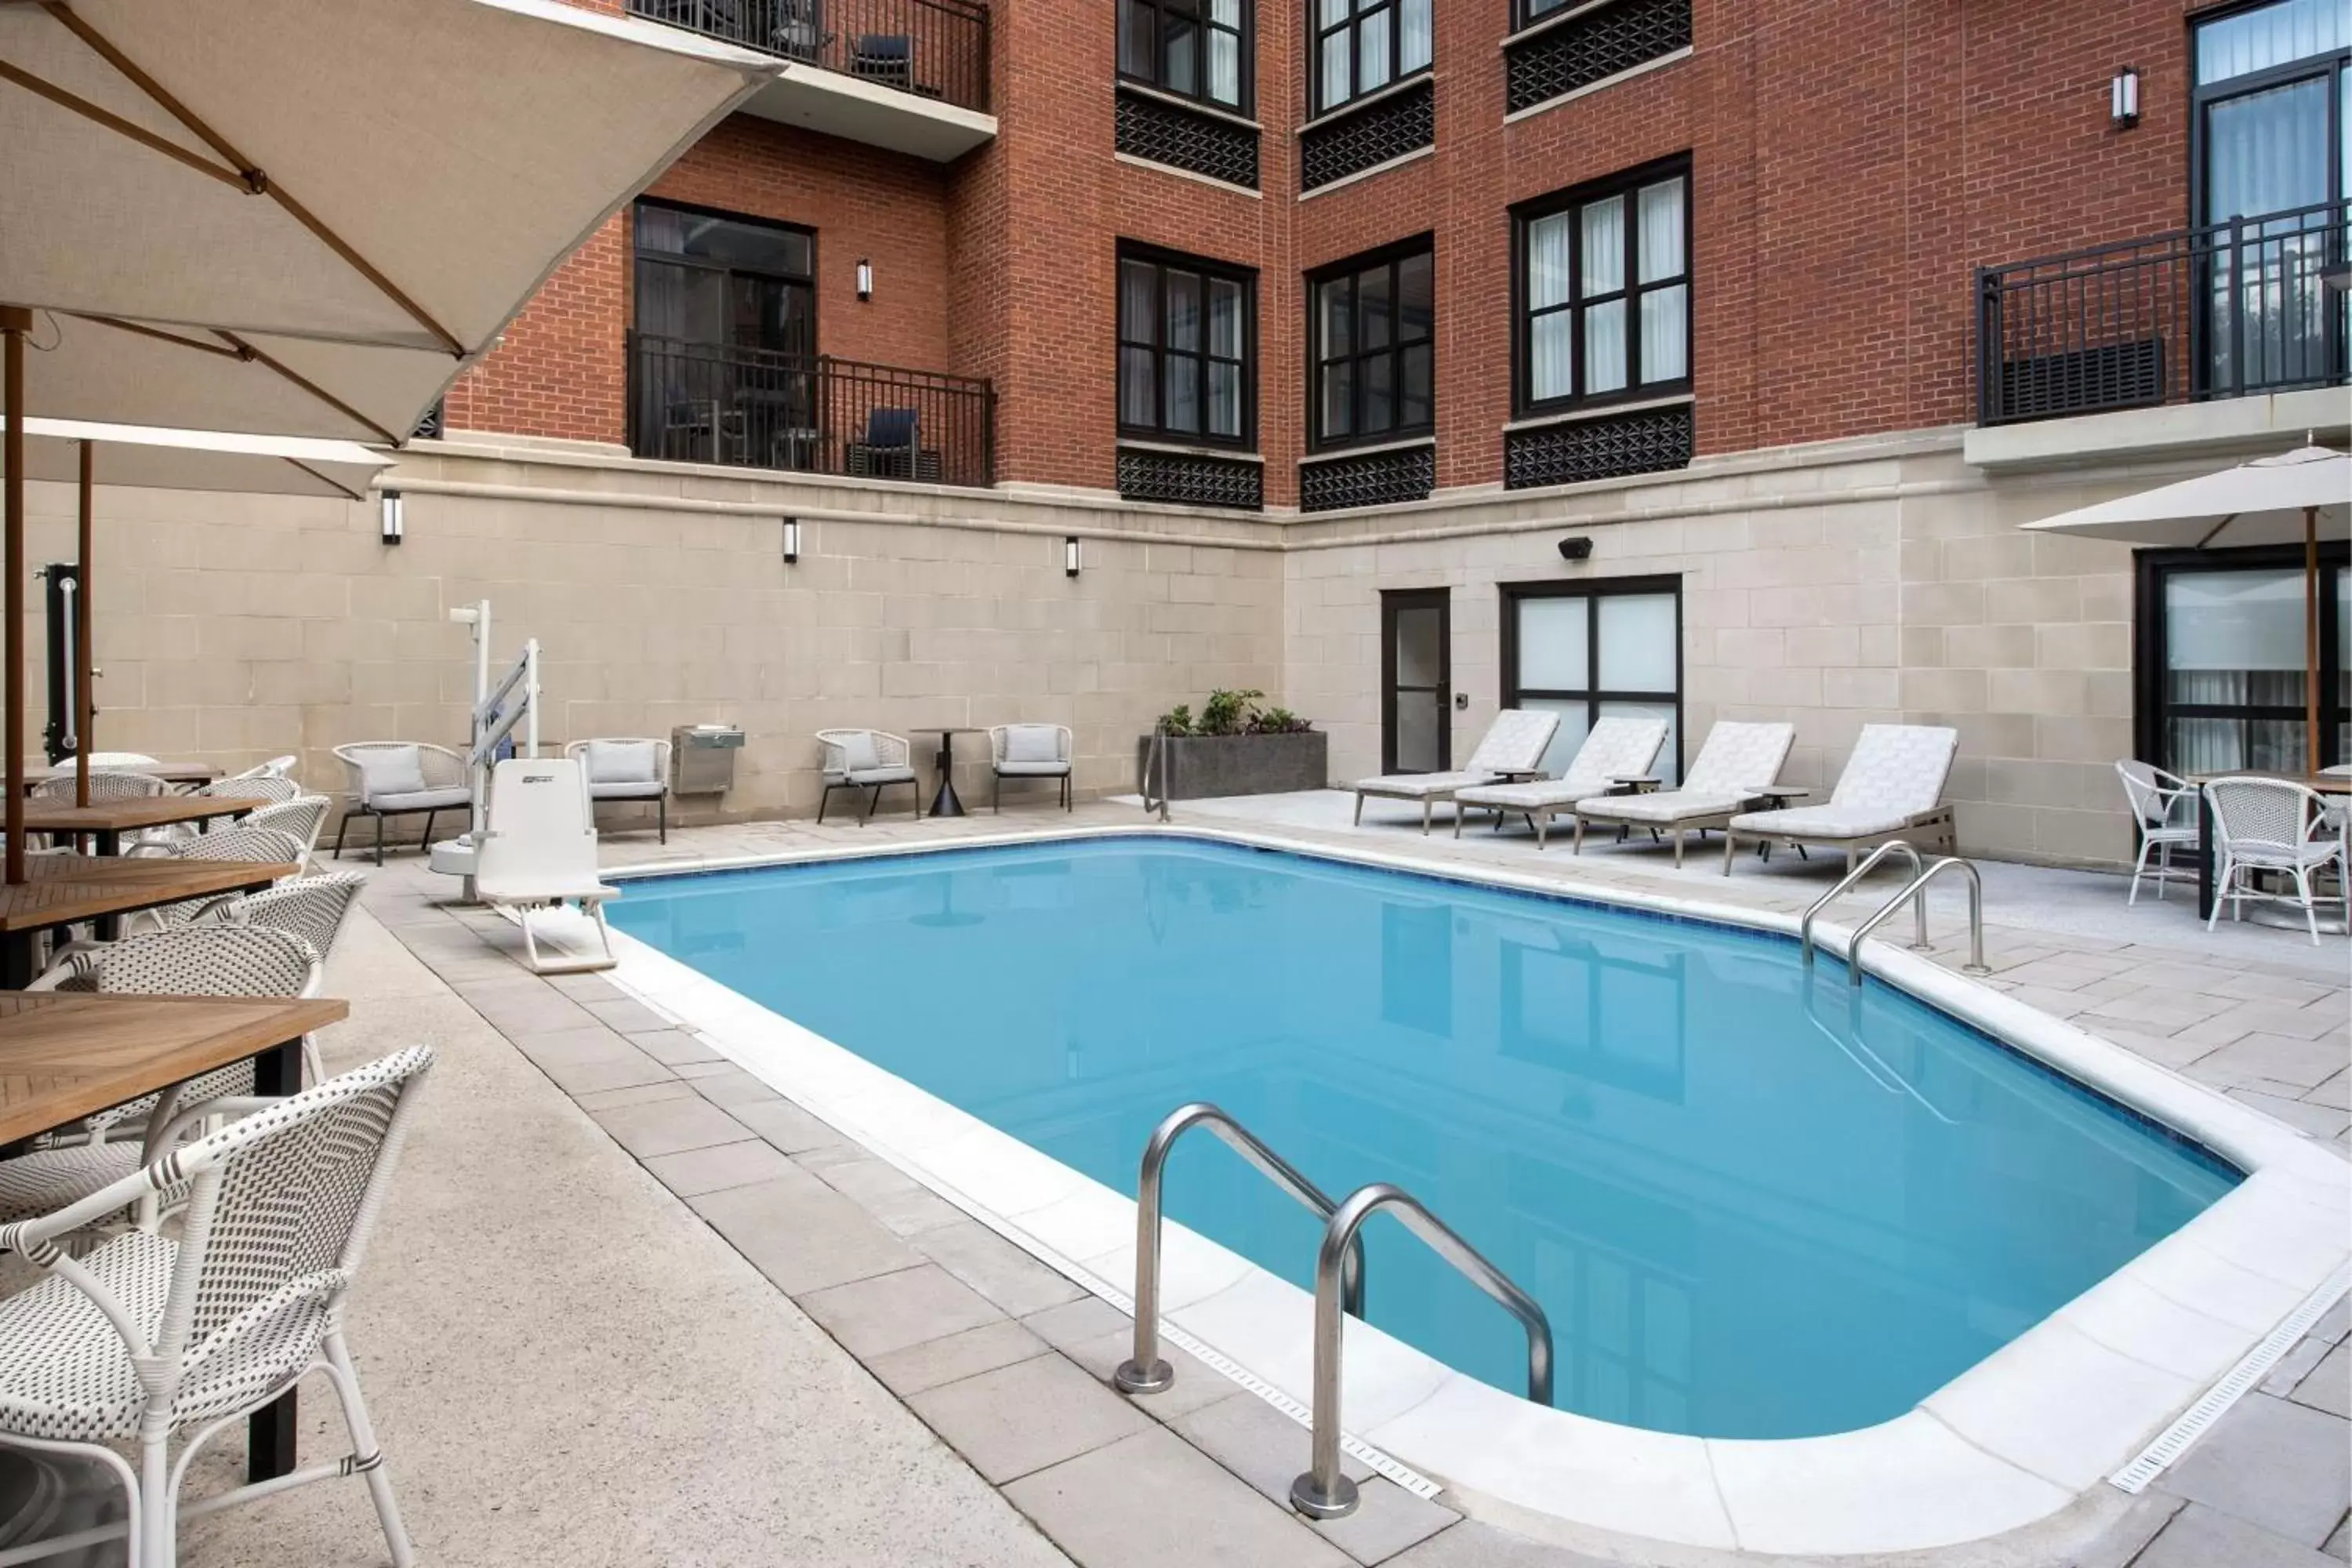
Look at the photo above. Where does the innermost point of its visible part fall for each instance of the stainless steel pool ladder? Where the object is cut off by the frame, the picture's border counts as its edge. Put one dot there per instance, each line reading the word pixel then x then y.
pixel 1156 760
pixel 1322 1491
pixel 1915 892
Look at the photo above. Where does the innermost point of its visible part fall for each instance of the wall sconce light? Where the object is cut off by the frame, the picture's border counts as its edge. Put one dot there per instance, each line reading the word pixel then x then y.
pixel 1576 549
pixel 392 510
pixel 2123 99
pixel 1070 556
pixel 864 281
pixel 791 541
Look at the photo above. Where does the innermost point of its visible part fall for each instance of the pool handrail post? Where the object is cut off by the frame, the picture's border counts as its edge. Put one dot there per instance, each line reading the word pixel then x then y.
pixel 1145 1372
pixel 1805 927
pixel 1916 888
pixel 1156 755
pixel 1322 1491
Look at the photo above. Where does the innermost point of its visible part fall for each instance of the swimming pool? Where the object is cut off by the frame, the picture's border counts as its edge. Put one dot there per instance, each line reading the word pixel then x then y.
pixel 1751 1205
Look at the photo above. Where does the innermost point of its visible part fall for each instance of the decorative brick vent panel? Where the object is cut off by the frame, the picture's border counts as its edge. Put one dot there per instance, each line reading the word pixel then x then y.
pixel 1161 132
pixel 1372 478
pixel 1183 478
pixel 1390 128
pixel 1593 47
pixel 1639 443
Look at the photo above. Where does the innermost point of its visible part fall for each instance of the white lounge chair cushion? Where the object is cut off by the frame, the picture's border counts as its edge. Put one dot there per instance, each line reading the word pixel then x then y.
pixel 1515 742
pixel 1618 746
pixel 1047 770
pixel 1418 786
pixel 1895 768
pixel 1740 758
pixel 1032 743
pixel 644 789
pixel 1663 807
pixel 1535 794
pixel 390 771
pixel 880 776
pixel 421 799
pixel 1831 821
pixel 622 762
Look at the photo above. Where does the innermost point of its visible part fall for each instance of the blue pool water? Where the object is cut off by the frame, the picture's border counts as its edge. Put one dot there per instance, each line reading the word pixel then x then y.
pixel 1742 1220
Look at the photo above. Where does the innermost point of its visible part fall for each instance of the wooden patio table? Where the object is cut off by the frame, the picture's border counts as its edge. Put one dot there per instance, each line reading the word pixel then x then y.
pixel 108 820
pixel 66 889
pixel 170 773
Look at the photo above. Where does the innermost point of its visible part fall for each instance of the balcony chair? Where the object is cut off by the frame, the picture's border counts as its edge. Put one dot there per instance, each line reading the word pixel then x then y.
pixel 1028 751
pixel 799 31
pixel 887 59
pixel 1737 761
pixel 1893 787
pixel 1615 751
pixel 2164 806
pixel 893 448
pixel 868 760
pixel 1515 743
pixel 626 769
pixel 150 1337
pixel 401 778
pixel 700 430
pixel 2276 825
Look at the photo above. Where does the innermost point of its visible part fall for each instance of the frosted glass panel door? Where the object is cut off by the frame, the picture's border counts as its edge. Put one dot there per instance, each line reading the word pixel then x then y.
pixel 1415 682
pixel 1588 653
pixel 2233 671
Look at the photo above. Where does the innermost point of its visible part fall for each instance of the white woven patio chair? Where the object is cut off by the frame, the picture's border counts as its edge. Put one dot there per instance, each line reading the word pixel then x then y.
pixel 1618 748
pixel 304 817
pixel 2271 824
pixel 104 785
pixel 147 1339
pixel 2164 808
pixel 1738 760
pixel 626 768
pixel 1028 751
pixel 868 760
pixel 310 908
pixel 1892 787
pixel 264 787
pixel 1515 743
pixel 401 778
pixel 276 767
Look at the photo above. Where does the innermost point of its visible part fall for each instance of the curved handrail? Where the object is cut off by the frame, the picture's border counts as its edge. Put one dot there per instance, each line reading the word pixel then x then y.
pixel 1156 757
pixel 1805 926
pixel 1145 1373
pixel 1322 1492
pixel 1917 888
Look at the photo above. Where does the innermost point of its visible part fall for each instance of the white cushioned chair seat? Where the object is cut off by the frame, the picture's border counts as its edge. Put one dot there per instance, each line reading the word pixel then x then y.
pixel 422 799
pixel 622 762
pixel 1895 768
pixel 1665 806
pixel 1026 744
pixel 1515 742
pixel 1831 821
pixel 1534 794
pixel 644 789
pixel 881 775
pixel 1413 787
pixel 1739 757
pixel 1042 770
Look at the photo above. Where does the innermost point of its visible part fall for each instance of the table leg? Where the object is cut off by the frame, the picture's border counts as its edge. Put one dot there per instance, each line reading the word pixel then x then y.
pixel 110 840
pixel 944 800
pixel 2204 857
pixel 269 1431
pixel 17 960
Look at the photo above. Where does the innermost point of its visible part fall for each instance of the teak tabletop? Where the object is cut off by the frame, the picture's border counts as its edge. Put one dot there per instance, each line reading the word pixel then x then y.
pixel 120 815
pixel 65 1054
pixel 63 890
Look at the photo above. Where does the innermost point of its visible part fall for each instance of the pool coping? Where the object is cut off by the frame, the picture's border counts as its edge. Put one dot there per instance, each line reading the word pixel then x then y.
pixel 2013 1441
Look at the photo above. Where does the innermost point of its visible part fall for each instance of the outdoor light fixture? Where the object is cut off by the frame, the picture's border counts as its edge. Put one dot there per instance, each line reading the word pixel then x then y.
pixel 2123 99
pixel 392 508
pixel 1070 556
pixel 864 281
pixel 791 541
pixel 1576 549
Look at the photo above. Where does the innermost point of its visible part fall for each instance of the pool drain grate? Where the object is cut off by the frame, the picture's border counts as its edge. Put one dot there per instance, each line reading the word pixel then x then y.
pixel 2174 1439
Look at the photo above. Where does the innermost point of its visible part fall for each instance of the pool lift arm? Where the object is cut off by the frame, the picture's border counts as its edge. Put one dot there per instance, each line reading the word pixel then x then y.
pixel 498 711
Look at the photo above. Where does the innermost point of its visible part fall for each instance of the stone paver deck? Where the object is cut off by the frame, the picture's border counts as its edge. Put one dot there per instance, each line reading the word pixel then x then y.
pixel 1007 1362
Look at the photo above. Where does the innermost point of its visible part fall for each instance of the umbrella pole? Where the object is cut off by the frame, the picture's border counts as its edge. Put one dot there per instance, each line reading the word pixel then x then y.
pixel 2312 752
pixel 14 322
pixel 85 708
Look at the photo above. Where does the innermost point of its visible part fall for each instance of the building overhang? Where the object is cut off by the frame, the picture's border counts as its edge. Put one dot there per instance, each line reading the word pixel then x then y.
pixel 838 105
pixel 2226 429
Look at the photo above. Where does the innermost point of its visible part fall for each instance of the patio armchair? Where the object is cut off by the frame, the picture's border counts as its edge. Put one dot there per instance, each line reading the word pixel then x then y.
pixel 1737 761
pixel 2164 810
pixel 885 57
pixel 1515 744
pixel 626 769
pixel 1616 751
pixel 275 768
pixel 304 817
pixel 401 778
pixel 868 760
pixel 146 1339
pixel 2264 825
pixel 267 788
pixel 1028 751
pixel 310 908
pixel 1893 787
pixel 104 785
pixel 893 448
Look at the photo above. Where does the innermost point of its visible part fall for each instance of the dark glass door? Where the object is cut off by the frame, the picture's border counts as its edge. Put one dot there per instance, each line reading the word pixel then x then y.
pixel 1416 681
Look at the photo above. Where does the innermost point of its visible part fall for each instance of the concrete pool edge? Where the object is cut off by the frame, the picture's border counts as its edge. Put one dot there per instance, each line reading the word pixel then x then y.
pixel 2013 1440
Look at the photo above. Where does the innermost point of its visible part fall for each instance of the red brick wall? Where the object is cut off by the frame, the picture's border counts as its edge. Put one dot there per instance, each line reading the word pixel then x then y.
pixel 1854 162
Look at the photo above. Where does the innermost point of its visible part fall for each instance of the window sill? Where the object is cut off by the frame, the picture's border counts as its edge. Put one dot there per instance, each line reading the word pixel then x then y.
pixel 1673 56
pixel 1226 454
pixel 1178 101
pixel 1344 181
pixel 1135 160
pixel 1371 449
pixel 1401 85
pixel 1596 411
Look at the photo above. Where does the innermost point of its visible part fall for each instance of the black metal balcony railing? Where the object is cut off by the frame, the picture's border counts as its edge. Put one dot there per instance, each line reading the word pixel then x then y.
pixel 2254 305
pixel 705 403
pixel 932 49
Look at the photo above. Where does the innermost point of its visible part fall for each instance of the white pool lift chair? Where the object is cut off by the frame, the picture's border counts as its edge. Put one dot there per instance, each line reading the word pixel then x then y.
pixel 1514 746
pixel 538 851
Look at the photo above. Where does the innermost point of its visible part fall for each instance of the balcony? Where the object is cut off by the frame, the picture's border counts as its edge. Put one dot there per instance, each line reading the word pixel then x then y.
pixel 811 414
pixel 2249 308
pixel 908 75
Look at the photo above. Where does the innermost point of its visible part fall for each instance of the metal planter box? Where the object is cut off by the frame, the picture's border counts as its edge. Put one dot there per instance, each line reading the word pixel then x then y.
pixel 1202 766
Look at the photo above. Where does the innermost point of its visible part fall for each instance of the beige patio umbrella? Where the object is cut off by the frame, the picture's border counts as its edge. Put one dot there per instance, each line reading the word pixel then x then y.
pixel 302 217
pixel 2302 496
pixel 73 451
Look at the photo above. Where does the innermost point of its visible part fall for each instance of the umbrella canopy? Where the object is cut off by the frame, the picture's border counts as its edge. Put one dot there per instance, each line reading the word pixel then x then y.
pixel 144 456
pixel 306 216
pixel 2260 503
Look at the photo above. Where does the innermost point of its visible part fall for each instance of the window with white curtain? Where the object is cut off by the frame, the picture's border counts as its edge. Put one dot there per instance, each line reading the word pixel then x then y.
pixel 1369 325
pixel 2224 666
pixel 1363 46
pixel 1588 651
pixel 1604 291
pixel 1194 49
pixel 1186 349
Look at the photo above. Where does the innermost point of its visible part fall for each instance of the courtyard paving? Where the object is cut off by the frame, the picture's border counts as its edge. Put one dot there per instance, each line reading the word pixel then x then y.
pixel 630 1306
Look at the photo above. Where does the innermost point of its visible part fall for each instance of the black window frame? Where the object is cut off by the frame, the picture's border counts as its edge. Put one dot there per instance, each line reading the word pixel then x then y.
pixel 2150 706
pixel 1359 12
pixel 1524 216
pixel 1596 588
pixel 1390 257
pixel 1208 268
pixel 2204 95
pixel 1197 13
pixel 639 254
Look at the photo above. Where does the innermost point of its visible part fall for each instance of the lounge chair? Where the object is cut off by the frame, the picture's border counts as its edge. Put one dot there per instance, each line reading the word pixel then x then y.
pixel 1893 787
pixel 1618 748
pixel 868 760
pixel 1515 743
pixel 1028 751
pixel 401 778
pixel 627 769
pixel 1737 761
pixel 536 850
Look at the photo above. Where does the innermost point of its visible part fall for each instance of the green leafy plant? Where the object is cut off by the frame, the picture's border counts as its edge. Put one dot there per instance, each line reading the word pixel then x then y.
pixel 1232 713
pixel 1228 712
pixel 1277 721
pixel 1178 721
